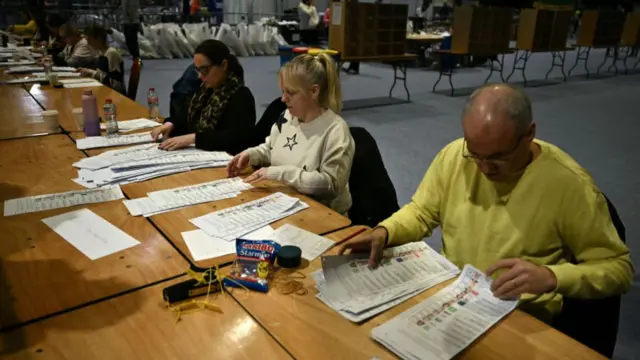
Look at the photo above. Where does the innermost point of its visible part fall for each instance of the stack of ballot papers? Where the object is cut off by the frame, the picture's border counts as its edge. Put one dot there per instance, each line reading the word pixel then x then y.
pixel 132 125
pixel 162 201
pixel 446 323
pixel 61 200
pixel 203 246
pixel 232 223
pixel 348 285
pixel 39 69
pixel 143 162
pixel 96 142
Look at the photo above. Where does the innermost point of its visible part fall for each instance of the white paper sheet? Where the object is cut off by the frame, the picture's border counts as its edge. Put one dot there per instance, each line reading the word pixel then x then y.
pixel 94 142
pixel 19 63
pixel 312 245
pixel 64 74
pixel 132 125
pixel 203 247
pixel 197 193
pixel 234 222
pixel 147 207
pixel 60 200
pixel 27 80
pixel 84 84
pixel 77 81
pixel 446 323
pixel 90 234
pixel 353 286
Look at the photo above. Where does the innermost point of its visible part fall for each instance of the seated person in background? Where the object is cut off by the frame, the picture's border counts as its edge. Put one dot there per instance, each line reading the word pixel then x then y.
pixel 183 90
pixel 30 28
pixel 77 52
pixel 55 44
pixel 310 147
pixel 516 207
pixel 109 67
pixel 221 113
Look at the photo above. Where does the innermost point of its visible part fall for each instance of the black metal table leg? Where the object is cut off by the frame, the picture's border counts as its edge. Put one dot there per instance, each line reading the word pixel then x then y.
pixel 403 70
pixel 448 73
pixel 582 54
pixel 524 57
pixel 609 54
pixel 500 62
pixel 561 56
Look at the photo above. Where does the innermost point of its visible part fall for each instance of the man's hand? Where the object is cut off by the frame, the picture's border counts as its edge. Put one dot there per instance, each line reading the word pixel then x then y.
pixel 238 164
pixel 521 277
pixel 372 242
pixel 178 142
pixel 85 72
pixel 257 176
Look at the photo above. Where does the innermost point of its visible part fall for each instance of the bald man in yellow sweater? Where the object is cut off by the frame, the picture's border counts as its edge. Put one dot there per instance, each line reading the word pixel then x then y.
pixel 515 206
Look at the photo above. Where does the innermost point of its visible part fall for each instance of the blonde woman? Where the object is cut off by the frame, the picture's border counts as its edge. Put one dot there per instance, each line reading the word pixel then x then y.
pixel 311 148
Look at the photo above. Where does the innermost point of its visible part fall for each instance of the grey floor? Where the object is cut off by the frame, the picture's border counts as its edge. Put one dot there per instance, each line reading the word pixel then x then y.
pixel 596 120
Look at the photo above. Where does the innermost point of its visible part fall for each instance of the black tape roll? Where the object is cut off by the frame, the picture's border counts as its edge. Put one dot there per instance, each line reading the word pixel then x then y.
pixel 289 257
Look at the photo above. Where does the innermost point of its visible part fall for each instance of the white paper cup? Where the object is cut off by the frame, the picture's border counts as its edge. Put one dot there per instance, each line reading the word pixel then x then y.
pixel 78 117
pixel 53 79
pixel 50 118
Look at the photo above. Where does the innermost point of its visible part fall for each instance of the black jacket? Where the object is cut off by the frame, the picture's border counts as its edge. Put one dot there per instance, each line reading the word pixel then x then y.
pixel 234 131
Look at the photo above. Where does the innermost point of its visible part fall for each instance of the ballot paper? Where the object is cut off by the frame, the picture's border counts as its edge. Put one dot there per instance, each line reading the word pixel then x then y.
pixel 76 81
pixel 84 84
pixel 90 234
pixel 147 207
pixel 198 193
pixel 312 245
pixel 352 286
pixel 62 74
pixel 203 247
pixel 39 70
pixel 60 200
pixel 94 142
pixel 34 79
pixel 446 323
pixel 132 125
pixel 118 156
pixel 17 63
pixel 234 222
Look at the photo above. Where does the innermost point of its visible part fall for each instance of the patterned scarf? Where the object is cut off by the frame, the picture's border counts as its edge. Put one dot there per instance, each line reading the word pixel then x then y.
pixel 208 105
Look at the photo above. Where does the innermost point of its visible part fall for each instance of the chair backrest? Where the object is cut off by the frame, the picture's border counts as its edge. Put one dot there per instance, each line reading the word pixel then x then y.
pixel 269 117
pixel 373 194
pixel 134 79
pixel 594 322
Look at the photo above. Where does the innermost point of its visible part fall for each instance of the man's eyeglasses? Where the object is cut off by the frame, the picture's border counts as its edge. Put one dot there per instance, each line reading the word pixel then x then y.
pixel 500 159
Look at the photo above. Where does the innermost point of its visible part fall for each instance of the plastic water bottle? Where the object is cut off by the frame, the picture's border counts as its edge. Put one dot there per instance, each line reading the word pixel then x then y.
pixel 154 105
pixel 48 65
pixel 109 109
pixel 90 113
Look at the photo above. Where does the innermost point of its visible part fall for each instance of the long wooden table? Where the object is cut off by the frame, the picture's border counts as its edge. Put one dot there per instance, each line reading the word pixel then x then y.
pixel 20 114
pixel 309 329
pixel 65 100
pixel 41 273
pixel 317 218
pixel 140 326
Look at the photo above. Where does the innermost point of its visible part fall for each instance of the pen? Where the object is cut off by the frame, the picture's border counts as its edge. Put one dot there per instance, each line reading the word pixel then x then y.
pixel 352 236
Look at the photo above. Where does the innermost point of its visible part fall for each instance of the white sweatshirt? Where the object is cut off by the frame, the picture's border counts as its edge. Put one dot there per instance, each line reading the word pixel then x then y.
pixel 315 158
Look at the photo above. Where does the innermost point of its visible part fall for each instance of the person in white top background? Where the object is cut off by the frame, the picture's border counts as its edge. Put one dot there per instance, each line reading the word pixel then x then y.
pixel 311 148
pixel 308 14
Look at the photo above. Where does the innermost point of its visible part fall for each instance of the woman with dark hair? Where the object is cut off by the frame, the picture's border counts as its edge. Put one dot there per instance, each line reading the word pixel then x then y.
pixel 109 67
pixel 221 114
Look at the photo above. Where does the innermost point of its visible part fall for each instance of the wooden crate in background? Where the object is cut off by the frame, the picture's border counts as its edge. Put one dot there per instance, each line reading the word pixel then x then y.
pixel 600 28
pixel 481 30
pixel 368 30
pixel 543 30
pixel 631 30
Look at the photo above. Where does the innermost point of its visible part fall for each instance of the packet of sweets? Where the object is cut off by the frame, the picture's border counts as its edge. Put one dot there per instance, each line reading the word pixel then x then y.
pixel 253 265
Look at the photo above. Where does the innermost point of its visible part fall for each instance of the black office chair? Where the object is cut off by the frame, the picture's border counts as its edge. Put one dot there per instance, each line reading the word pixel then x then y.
pixel 271 114
pixel 372 192
pixel 594 322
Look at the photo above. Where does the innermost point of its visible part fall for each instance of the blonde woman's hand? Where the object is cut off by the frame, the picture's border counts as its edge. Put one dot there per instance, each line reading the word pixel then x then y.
pixel 257 176
pixel 238 164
